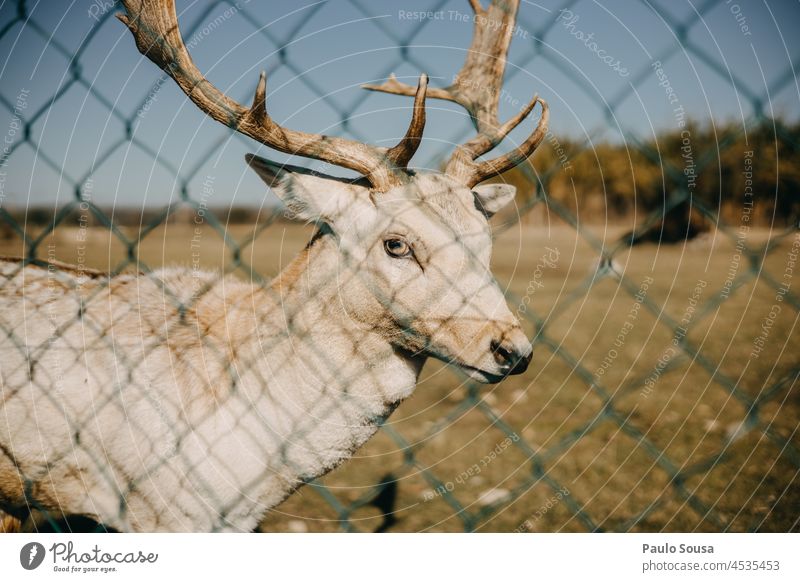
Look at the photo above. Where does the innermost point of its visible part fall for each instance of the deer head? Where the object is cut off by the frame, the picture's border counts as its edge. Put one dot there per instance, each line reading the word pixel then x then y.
pixel 415 247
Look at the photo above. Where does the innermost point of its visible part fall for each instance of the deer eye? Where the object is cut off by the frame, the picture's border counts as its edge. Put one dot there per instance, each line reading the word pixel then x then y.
pixel 397 247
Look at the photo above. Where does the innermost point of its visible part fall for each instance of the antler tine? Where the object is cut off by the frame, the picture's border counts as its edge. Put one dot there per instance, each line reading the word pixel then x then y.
pixel 475 173
pixel 477 88
pixel 402 153
pixel 476 7
pixel 154 24
pixel 399 88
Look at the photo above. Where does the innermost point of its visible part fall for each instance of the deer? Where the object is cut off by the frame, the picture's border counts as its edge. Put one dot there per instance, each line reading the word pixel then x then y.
pixel 183 401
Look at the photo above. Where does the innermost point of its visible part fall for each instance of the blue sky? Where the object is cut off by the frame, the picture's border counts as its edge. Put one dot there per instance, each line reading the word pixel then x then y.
pixel 720 58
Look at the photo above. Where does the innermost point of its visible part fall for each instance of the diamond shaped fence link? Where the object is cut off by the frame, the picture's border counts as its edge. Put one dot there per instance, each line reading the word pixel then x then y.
pixel 536 474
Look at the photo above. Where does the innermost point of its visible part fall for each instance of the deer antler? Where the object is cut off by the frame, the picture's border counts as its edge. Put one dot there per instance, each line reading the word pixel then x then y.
pixel 477 88
pixel 154 25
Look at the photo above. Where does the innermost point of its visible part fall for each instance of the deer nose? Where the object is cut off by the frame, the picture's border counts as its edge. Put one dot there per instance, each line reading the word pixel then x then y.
pixel 510 357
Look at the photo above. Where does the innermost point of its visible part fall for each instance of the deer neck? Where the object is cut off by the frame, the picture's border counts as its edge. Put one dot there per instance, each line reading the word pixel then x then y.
pixel 339 352
pixel 321 382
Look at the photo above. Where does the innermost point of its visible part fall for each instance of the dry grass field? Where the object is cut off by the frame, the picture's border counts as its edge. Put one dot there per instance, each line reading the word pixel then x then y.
pixel 597 434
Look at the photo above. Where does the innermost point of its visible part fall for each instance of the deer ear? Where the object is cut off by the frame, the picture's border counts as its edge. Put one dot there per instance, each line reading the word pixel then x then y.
pixel 490 198
pixel 309 195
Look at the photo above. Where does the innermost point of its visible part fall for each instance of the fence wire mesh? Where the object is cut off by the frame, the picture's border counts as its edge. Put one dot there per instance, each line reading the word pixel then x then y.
pixel 663 394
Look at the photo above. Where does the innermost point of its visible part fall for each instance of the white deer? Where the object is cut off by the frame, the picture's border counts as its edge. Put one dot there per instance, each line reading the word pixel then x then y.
pixel 178 401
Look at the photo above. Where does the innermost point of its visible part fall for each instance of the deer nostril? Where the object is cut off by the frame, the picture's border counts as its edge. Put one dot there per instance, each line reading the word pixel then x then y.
pixel 503 355
pixel 507 356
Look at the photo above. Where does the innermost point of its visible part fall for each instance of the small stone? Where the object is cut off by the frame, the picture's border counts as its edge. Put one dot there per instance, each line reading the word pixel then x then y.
pixel 735 431
pixel 492 496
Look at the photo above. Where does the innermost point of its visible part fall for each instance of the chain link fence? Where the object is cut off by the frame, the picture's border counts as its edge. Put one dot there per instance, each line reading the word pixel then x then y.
pixel 664 390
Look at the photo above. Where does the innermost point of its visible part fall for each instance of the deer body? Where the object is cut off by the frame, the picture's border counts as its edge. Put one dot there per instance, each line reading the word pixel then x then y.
pixel 175 443
pixel 186 401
